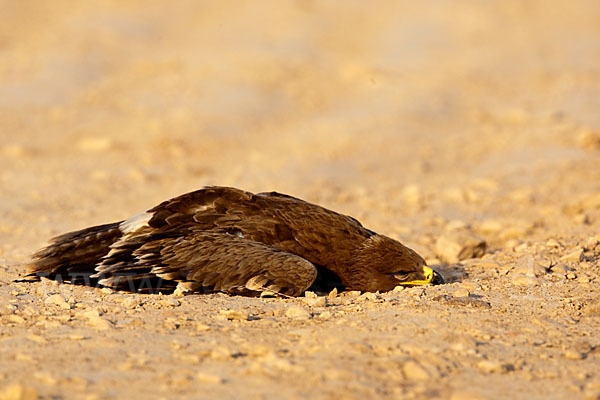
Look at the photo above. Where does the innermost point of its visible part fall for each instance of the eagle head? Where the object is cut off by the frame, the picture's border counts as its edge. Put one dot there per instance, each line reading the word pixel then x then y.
pixel 382 263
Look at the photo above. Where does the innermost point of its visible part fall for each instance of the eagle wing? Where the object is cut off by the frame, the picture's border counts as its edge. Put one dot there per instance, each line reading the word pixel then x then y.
pixel 211 262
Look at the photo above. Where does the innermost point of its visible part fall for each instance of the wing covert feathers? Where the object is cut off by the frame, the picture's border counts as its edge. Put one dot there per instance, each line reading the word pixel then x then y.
pixel 215 262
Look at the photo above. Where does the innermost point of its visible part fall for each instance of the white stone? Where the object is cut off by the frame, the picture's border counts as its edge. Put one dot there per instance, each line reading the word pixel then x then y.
pixel 414 371
pixel 523 280
pixel 575 255
pixel 315 301
pixel 234 315
pixel 58 300
pixel 297 312
pixel 461 292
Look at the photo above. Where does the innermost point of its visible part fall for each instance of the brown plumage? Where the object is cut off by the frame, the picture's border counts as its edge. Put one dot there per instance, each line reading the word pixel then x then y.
pixel 226 239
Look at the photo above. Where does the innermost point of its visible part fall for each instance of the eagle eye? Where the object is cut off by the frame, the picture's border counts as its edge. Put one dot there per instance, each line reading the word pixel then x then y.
pixel 400 275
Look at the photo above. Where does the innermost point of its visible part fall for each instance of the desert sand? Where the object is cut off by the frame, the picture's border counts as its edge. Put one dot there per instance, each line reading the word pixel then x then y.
pixel 440 124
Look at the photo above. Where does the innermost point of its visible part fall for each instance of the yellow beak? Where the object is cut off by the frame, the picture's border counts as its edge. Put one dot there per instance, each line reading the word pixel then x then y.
pixel 427 272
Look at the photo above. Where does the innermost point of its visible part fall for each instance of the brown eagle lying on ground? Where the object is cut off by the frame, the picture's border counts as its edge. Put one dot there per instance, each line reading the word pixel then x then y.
pixel 229 240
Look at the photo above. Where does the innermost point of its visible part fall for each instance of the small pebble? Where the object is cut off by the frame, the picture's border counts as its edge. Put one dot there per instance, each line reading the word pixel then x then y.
pixel 297 312
pixel 171 323
pixel 531 269
pixel 234 315
pixel 413 370
pixel 184 288
pixel 94 319
pixel 315 301
pixel 369 296
pixel 575 255
pixel 220 353
pixel 522 248
pixel 461 292
pixel 491 367
pixel 560 268
pixel 325 315
pixel 523 280
pixel 130 303
pixel 58 300
pixel 170 302
pixel 205 377
pixel 574 355
pixel 553 243
pixel 200 327
pixel 456 225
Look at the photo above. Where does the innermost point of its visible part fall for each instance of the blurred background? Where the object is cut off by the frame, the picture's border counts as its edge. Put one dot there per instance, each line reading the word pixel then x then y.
pixel 405 114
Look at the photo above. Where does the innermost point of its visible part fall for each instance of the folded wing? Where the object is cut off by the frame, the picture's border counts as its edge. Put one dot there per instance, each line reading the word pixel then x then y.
pixel 211 262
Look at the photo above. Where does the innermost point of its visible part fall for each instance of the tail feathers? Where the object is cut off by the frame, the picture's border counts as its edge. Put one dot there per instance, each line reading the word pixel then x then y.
pixel 75 253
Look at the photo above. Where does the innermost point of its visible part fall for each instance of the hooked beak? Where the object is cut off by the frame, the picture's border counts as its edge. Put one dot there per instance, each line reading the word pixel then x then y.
pixel 431 278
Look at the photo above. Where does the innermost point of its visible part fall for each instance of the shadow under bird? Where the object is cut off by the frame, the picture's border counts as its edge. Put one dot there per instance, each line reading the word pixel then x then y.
pixel 222 239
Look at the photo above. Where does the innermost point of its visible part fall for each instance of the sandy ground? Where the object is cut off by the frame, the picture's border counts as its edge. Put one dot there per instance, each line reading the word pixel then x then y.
pixel 428 121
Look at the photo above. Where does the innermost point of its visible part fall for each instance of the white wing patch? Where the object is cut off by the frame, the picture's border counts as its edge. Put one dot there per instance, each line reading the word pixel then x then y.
pixel 132 224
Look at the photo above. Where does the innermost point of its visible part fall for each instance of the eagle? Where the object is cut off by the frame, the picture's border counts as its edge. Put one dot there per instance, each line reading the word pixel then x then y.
pixel 223 239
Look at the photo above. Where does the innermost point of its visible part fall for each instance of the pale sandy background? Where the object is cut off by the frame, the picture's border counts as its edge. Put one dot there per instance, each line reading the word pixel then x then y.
pixel 419 118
